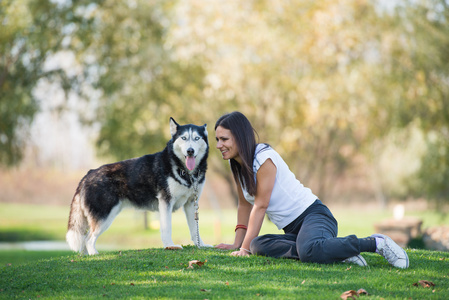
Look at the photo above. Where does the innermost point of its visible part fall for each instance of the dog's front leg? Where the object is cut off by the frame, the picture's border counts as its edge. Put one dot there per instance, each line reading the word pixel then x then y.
pixel 189 210
pixel 165 213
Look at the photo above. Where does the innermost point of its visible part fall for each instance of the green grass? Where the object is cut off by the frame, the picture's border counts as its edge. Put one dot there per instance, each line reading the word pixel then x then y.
pixel 163 274
pixel 17 257
pixel 22 222
pixel 156 273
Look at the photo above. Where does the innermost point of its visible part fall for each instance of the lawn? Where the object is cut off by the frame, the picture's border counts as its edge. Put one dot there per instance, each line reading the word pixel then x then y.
pixel 148 271
pixel 164 274
pixel 22 222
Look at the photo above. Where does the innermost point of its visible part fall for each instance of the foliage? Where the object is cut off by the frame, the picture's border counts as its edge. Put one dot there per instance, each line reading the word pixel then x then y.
pixel 414 91
pixel 158 273
pixel 124 54
pixel 30 34
pixel 319 111
pixel 433 176
pixel 308 106
pixel 119 50
pixel 323 82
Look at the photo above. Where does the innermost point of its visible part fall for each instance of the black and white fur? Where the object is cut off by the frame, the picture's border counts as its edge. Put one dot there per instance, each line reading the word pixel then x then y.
pixel 163 181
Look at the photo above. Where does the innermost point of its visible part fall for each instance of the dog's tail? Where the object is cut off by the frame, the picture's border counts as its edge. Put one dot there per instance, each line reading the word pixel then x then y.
pixel 78 224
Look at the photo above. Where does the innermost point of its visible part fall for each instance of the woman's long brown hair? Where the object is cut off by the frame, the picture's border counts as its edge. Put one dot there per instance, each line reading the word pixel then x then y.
pixel 245 137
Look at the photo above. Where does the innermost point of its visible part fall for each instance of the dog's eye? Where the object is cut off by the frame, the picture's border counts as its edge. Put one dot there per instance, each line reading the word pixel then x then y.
pixel 183 138
pixel 197 138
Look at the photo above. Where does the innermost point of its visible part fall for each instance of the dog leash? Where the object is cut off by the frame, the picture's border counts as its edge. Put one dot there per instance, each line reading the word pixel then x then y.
pixel 196 205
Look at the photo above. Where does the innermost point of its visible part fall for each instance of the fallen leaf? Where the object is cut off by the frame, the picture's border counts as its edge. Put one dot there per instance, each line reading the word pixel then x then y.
pixel 196 262
pixel 349 295
pixel 362 292
pixel 424 283
pixel 347 269
pixel 227 282
pixel 131 284
pixel 353 294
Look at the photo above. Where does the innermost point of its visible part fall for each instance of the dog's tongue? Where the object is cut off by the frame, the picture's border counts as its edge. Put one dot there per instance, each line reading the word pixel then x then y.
pixel 190 163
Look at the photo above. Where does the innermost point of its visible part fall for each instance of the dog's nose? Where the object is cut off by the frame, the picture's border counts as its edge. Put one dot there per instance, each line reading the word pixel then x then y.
pixel 190 152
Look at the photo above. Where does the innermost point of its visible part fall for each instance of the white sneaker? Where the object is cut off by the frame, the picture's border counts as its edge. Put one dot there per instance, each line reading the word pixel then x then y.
pixel 394 254
pixel 358 260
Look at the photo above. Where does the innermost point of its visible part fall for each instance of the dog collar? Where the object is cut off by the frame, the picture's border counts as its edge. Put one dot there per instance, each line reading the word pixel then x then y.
pixel 183 174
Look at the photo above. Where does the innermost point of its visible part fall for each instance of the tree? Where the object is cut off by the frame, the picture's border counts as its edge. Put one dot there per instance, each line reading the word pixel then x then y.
pixel 322 81
pixel 412 89
pixel 426 101
pixel 122 67
pixel 124 54
pixel 31 32
pixel 297 69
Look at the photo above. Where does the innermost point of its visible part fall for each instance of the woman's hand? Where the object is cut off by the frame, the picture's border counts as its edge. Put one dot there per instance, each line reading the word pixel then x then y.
pixel 226 246
pixel 240 253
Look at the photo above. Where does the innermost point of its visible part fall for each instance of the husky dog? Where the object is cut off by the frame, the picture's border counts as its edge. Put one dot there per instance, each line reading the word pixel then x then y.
pixel 163 181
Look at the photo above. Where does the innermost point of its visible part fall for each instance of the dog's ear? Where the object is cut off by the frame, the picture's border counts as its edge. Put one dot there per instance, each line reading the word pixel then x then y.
pixel 205 129
pixel 173 126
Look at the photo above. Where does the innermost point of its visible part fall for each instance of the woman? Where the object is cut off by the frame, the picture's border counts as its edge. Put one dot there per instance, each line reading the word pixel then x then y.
pixel 265 185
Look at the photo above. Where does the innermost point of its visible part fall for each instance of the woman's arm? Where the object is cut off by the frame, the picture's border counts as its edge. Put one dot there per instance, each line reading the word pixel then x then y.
pixel 243 212
pixel 266 176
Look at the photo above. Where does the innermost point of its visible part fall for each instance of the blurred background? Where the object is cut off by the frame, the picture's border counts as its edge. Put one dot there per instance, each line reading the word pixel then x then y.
pixel 354 94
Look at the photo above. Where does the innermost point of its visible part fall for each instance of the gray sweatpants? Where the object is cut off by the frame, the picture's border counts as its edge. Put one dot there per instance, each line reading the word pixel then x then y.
pixel 312 237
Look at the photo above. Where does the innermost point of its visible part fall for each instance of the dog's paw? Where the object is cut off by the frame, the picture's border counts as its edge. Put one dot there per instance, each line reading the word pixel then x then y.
pixel 205 246
pixel 174 247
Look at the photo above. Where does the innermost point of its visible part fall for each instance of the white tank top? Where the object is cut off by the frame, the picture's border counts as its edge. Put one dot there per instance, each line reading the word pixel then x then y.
pixel 289 198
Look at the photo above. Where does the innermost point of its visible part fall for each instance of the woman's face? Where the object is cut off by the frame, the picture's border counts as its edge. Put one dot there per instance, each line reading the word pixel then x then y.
pixel 226 144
